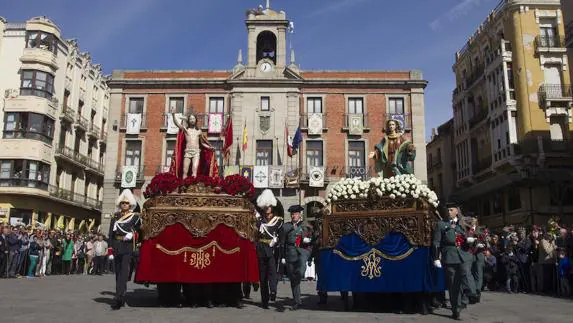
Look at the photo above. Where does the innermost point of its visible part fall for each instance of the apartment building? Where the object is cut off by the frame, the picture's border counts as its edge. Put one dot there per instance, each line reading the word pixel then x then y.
pixel 512 116
pixel 567 9
pixel 53 119
pixel 441 167
pixel 341 115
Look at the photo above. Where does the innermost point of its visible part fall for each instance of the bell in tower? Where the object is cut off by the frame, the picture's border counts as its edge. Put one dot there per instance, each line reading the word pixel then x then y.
pixel 267 46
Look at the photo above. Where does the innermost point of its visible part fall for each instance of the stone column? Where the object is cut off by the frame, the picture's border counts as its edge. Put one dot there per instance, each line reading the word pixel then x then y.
pixel 419 133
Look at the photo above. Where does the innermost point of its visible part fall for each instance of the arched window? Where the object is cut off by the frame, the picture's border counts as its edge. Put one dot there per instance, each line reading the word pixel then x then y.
pixel 267 46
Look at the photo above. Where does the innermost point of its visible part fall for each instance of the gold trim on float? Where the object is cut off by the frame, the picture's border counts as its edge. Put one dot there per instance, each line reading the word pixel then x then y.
pixel 198 257
pixel 376 252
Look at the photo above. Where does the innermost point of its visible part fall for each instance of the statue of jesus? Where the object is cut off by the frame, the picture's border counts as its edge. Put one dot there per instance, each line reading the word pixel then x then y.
pixel 195 143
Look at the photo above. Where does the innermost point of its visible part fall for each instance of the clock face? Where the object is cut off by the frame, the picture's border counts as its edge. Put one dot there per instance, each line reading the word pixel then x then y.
pixel 266 67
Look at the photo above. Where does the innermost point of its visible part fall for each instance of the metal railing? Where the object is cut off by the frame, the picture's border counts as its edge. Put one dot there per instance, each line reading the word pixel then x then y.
pixel 481 165
pixel 15 181
pixel 68 114
pixel 70 196
pixel 534 146
pixel 348 117
pixel 476 74
pixel 27 134
pixel 82 122
pixel 549 42
pixel 140 173
pixel 103 136
pixel 73 155
pixel 554 92
pixel 94 131
pixel 94 165
pixel 304 120
pixel 143 124
pixel 480 116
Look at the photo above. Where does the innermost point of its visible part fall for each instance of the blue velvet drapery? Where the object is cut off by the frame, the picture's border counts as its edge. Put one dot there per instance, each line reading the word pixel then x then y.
pixel 402 267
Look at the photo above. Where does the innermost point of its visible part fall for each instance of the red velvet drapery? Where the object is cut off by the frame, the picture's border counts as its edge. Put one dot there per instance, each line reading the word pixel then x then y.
pixel 176 256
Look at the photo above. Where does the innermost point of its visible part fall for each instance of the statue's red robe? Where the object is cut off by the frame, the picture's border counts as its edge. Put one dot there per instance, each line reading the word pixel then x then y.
pixel 207 160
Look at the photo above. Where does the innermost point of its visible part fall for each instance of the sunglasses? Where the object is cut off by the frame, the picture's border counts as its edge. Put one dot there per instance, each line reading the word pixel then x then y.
pixel 124 203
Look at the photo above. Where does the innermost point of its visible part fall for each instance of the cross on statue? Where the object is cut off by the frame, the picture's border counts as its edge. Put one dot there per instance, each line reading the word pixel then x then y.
pixel 268 4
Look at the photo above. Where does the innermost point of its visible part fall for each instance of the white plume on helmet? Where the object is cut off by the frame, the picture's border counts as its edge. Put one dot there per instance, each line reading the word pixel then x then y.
pixel 126 195
pixel 266 199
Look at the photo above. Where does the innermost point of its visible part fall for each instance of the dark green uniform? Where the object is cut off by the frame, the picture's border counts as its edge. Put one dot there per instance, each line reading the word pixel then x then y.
pixel 454 259
pixel 295 255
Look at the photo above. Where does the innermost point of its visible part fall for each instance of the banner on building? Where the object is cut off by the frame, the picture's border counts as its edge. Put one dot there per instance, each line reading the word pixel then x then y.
pixel 291 178
pixel 171 127
pixel 231 170
pixel 133 126
pixel 247 171
pixel 316 176
pixel 129 176
pixel 315 123
pixel 215 123
pixel 356 124
pixel 276 178
pixel 261 177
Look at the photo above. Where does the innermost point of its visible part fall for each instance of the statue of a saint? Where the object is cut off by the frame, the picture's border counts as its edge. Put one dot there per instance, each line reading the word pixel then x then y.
pixel 394 154
pixel 193 151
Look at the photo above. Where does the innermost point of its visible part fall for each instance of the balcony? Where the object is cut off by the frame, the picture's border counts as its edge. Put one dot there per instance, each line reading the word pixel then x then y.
pixel 68 114
pixel 555 95
pixel 304 118
pixel 23 133
pixel 72 156
pixel 476 75
pixel 569 34
pixel 481 115
pixel 143 124
pixel 94 131
pixel 23 183
pixel 360 125
pixel 481 165
pixel 75 198
pixel 140 174
pixel 536 146
pixel 103 137
pixel 82 95
pixel 93 166
pixel 41 56
pixel 68 84
pixel 82 123
pixel 26 100
pixel 548 44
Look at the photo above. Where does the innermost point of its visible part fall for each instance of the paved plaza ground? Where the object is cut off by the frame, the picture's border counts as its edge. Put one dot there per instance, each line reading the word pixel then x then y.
pixel 62 299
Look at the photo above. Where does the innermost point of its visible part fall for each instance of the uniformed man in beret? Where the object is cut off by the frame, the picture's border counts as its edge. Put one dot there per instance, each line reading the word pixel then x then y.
pixel 123 232
pixel 447 240
pixel 296 245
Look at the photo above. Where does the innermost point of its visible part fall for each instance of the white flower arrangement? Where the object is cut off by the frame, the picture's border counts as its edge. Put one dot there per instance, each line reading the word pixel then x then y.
pixel 400 186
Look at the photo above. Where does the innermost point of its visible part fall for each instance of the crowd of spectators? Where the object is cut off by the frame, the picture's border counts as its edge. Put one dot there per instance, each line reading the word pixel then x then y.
pixel 28 252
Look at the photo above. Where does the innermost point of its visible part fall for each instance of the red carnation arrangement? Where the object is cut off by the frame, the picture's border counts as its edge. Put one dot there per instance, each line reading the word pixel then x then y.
pixel 162 184
pixel 238 185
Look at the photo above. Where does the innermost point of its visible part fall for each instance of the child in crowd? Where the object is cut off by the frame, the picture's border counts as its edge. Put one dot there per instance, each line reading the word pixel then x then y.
pixel 564 274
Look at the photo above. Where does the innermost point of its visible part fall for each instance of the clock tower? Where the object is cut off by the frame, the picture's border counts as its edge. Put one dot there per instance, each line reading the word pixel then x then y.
pixel 267 30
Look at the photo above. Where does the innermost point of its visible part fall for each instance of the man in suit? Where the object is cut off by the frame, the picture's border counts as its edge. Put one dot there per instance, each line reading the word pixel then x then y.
pixel 123 230
pixel 295 240
pixel 447 240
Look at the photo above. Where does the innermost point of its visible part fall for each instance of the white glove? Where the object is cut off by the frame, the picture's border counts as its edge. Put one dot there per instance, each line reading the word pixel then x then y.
pixel 110 257
pixel 283 261
pixel 480 245
pixel 128 236
pixel 471 239
pixel 273 242
pixel 257 215
pixel 437 263
pixel 306 240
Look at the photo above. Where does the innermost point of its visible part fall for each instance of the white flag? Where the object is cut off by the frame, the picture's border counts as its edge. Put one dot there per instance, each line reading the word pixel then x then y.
pixel 171 127
pixel 129 176
pixel 261 177
pixel 276 177
pixel 133 123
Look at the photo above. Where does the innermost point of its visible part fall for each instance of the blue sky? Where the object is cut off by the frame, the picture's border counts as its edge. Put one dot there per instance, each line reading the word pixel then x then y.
pixel 329 34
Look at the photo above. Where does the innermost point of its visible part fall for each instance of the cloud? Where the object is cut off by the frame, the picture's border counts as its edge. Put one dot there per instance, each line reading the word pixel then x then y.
pixel 456 12
pixel 335 6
